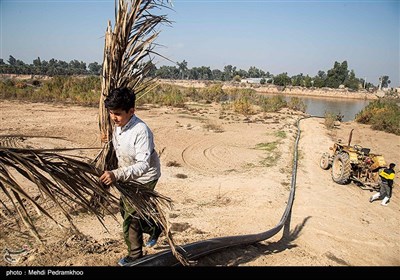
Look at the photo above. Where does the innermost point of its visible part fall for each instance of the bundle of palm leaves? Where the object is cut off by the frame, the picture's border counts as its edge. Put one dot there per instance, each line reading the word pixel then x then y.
pixel 69 181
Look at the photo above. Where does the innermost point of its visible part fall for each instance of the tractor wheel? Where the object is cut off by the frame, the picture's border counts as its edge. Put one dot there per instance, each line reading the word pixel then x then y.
pixel 324 161
pixel 341 168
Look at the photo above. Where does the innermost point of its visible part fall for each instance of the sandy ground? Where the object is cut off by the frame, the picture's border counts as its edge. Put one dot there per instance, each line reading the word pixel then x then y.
pixel 224 186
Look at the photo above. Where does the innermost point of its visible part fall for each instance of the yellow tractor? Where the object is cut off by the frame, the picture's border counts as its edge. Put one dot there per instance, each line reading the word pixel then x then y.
pixel 353 163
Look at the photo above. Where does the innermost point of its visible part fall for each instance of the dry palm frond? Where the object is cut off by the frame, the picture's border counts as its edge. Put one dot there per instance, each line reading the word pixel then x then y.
pixel 148 205
pixel 11 140
pixel 127 60
pixel 67 181
pixel 128 51
pixel 16 140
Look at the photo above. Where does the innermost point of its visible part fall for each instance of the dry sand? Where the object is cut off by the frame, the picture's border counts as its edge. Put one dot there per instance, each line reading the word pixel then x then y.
pixel 230 189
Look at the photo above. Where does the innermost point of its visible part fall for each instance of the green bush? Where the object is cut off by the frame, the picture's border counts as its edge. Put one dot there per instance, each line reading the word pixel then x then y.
pixel 330 119
pixel 174 98
pixel 382 114
pixel 272 104
pixel 213 93
pixel 297 104
pixel 85 91
pixel 242 105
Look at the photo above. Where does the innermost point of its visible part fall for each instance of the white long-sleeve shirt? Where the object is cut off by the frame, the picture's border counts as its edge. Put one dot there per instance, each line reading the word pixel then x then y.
pixel 134 147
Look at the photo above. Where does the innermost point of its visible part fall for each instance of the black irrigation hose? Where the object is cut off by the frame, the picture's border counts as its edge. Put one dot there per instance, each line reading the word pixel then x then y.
pixel 205 247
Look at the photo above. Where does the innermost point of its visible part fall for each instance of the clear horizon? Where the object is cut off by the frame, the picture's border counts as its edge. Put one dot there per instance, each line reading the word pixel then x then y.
pixel 275 36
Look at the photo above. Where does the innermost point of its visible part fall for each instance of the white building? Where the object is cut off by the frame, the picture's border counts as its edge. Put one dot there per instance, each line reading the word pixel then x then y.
pixel 254 80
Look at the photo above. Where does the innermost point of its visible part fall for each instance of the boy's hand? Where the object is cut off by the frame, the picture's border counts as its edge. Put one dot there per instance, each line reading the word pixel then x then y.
pixel 107 178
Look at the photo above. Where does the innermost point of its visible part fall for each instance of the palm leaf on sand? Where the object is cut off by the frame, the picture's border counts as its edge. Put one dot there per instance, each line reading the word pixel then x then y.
pixel 67 181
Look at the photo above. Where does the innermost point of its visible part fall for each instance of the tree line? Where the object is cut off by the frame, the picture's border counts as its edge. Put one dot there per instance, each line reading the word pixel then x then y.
pixel 338 76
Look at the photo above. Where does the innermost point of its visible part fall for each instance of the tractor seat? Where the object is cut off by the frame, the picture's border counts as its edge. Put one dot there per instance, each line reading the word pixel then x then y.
pixel 365 151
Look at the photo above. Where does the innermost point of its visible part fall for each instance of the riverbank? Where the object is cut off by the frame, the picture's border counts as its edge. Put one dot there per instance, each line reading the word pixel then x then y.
pixel 267 89
pixel 273 89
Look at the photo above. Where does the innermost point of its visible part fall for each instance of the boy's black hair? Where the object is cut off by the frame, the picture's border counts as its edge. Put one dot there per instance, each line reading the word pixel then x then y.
pixel 392 165
pixel 120 98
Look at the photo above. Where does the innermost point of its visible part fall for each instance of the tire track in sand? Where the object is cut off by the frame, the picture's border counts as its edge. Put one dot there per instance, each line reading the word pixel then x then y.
pixel 212 156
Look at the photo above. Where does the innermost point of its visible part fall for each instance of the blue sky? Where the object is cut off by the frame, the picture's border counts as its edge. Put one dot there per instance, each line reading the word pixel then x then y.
pixel 276 36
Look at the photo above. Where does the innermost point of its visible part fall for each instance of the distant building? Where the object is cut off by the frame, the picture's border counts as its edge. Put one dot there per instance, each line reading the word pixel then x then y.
pixel 254 80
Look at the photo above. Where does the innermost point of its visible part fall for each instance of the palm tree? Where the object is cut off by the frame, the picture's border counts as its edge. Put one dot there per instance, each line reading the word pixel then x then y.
pixel 69 181
pixel 183 69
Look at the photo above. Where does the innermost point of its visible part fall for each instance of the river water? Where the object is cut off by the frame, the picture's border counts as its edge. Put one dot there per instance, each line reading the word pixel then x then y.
pixel 319 106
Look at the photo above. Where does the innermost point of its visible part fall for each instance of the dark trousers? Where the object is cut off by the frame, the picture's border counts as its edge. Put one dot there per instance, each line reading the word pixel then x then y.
pixel 385 190
pixel 133 226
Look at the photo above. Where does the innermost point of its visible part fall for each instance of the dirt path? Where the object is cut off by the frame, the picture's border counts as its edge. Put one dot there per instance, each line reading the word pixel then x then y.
pixel 232 177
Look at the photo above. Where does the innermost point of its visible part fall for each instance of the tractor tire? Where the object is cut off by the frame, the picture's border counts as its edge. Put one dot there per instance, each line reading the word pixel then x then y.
pixel 341 169
pixel 324 161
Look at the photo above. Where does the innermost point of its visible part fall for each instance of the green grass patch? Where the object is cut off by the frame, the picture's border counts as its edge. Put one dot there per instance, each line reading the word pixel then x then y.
pixel 281 134
pixel 269 147
pixel 272 156
pixel 271 159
